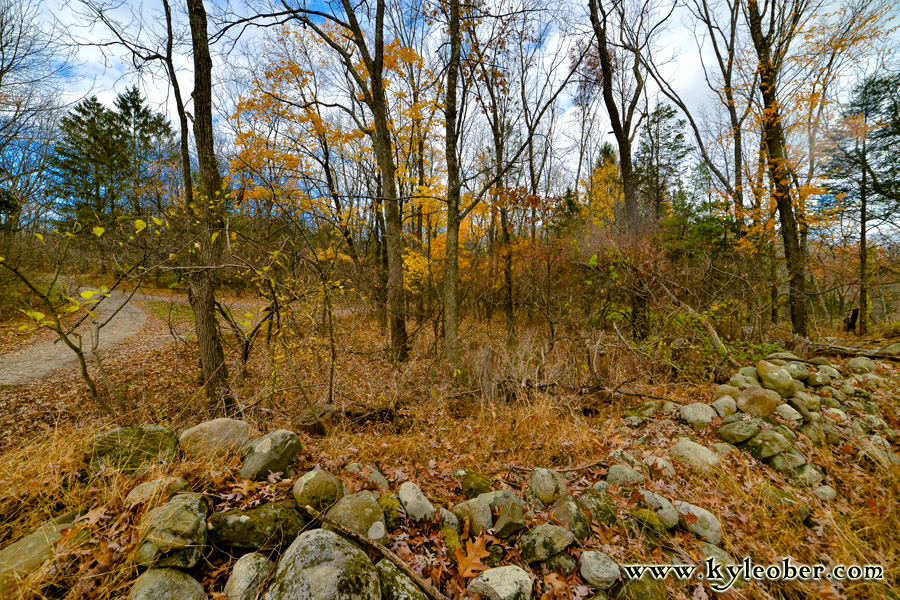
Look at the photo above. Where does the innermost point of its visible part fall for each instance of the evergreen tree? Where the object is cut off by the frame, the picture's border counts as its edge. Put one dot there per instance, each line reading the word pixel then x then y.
pixel 103 164
pixel 660 159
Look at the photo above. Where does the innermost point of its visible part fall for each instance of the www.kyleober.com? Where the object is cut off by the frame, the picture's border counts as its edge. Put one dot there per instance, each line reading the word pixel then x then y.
pixel 722 577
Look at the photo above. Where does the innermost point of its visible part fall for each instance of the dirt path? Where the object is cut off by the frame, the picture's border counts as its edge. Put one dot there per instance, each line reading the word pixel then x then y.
pixel 38 360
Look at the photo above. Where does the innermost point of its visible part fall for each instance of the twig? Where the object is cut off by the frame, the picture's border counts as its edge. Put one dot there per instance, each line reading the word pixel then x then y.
pixel 598 463
pixel 385 552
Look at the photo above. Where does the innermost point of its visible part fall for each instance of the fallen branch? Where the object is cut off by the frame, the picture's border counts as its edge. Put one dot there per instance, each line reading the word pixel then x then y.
pixel 401 564
pixel 850 351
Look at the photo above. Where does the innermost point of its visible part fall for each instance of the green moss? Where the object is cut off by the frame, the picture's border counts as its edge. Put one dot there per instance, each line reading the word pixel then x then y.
pixel 390 506
pixel 131 449
pixel 598 504
pixel 451 538
pixel 474 484
pixel 648 518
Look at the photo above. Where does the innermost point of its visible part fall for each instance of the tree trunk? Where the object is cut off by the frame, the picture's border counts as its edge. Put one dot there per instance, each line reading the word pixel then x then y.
pixel 863 258
pixel 451 259
pixel 201 282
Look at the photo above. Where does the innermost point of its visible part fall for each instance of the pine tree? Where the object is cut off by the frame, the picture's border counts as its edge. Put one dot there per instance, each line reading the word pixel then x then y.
pixel 660 159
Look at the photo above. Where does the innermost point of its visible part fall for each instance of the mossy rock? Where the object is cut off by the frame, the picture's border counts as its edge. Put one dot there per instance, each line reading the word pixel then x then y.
pixel 390 506
pixel 649 518
pixel 397 585
pixel 599 506
pixel 132 449
pixel 271 525
pixel 561 562
pixel 474 484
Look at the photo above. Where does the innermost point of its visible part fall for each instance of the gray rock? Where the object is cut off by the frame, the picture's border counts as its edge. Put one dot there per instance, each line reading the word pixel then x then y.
pixel 860 364
pixel 166 584
pixel 825 492
pixel 725 406
pixel 758 402
pixel 502 583
pixel 561 562
pixel 664 509
pixel 697 457
pixel 270 525
pixel 318 489
pixel 247 576
pixel 789 414
pixel 835 415
pixel 819 360
pixel 415 503
pixel 661 464
pixel 830 371
pixel 623 475
pixel 271 453
pixel 645 410
pixel 572 517
pixel 808 475
pixel 727 390
pixel 797 370
pixel 547 485
pixel 786 461
pixel 785 432
pixel 361 513
pixel 174 534
pixel 818 379
pixel 321 565
pixel 697 415
pixel 26 555
pixel 543 541
pixel 742 383
pixel 599 570
pixel 477 512
pixel 397 585
pixel 750 373
pixel 373 476
pixel 699 521
pixel 890 350
pixel 723 448
pixel 634 422
pixel 510 515
pixel 765 444
pixel 448 519
pixel 156 489
pixel 132 449
pixel 721 557
pixel 623 457
pixel 775 378
pixel 215 438
pixel 786 356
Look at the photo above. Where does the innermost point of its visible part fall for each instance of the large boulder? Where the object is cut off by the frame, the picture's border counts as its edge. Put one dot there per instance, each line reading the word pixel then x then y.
pixel 321 565
pixel 270 525
pixel 699 521
pixel 361 513
pixel 215 438
pixel 697 457
pixel 542 542
pixel 697 415
pixel 318 489
pixel 397 585
pixel 598 569
pixel 775 378
pixel 502 583
pixel 757 402
pixel 174 535
pixel 247 576
pixel 271 453
pixel 166 584
pixel 547 485
pixel 26 555
pixel 414 502
pixel 132 449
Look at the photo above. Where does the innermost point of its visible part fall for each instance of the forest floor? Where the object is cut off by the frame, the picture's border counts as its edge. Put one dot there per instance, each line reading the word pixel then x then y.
pixel 415 423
